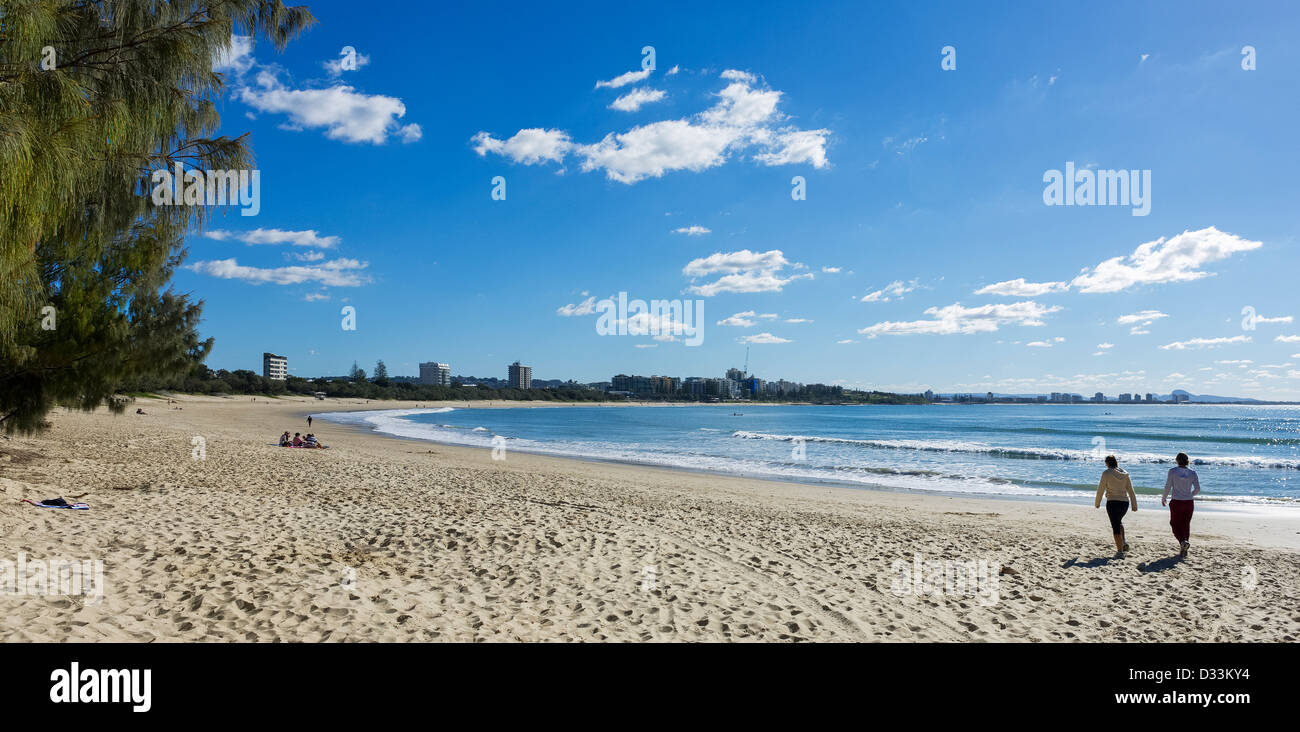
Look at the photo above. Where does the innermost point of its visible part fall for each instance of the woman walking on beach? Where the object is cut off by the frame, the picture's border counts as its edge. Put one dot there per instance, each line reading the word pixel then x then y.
pixel 1184 485
pixel 1120 499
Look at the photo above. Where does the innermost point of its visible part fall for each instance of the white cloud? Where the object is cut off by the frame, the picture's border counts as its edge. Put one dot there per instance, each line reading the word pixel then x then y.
pixel 693 230
pixel 1039 344
pixel 315 296
pixel 647 345
pixel 846 340
pixel 1203 343
pixel 747 282
pixel 1261 320
pixel 335 68
pixel 763 338
pixel 743 118
pixel 743 271
pixel 530 146
pixel 1287 339
pixel 732 262
pixel 897 288
pixel 1177 259
pixel 1145 317
pixel 586 307
pixel 630 77
pixel 237 57
pixel 831 270
pixel 335 273
pixel 344 113
pixel 635 99
pixel 307 238
pixel 1020 288
pixel 957 319
pixel 1105 346
pixel 309 256
pixel 739 320
pixel 797 320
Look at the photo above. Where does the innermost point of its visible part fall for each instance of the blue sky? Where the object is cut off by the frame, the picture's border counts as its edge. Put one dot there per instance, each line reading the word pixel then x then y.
pixel 924 194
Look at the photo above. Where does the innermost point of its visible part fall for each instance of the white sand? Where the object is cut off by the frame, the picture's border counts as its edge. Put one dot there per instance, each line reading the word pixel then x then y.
pixel 384 539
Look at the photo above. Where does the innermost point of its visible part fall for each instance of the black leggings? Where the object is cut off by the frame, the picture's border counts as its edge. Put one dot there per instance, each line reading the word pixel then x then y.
pixel 1116 511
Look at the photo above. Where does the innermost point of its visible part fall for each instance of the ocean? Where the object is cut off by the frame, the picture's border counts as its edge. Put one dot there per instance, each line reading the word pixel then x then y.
pixel 1243 454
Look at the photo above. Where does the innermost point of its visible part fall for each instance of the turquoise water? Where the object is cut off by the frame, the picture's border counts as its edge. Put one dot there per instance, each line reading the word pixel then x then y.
pixel 1243 454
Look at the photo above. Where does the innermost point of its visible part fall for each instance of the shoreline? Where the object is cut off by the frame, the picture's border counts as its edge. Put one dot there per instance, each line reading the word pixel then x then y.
pixel 1277 510
pixel 390 539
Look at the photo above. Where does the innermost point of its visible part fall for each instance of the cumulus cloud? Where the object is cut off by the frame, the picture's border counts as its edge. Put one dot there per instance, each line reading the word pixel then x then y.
pixel 315 297
pixel 739 320
pixel 334 66
pixel 763 338
pixel 621 80
pixel 1287 339
pixel 635 99
pixel 742 271
pixel 1176 259
pixel 693 230
pixel 1204 343
pixel 958 319
pixel 586 307
pixel 335 273
pixel 895 289
pixel 530 146
pixel 237 58
pixel 743 118
pixel 831 270
pixel 306 238
pixel 343 112
pixel 732 262
pixel 1144 317
pixel 1020 288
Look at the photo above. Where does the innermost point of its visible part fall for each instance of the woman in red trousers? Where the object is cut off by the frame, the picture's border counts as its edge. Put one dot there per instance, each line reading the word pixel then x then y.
pixel 1184 485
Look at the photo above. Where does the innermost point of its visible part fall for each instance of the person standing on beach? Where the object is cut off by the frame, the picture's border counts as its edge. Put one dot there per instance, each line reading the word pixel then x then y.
pixel 1120 499
pixel 1184 485
pixel 309 421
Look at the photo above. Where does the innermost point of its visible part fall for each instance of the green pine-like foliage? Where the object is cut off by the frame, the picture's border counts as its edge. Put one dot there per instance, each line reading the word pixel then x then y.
pixel 132 90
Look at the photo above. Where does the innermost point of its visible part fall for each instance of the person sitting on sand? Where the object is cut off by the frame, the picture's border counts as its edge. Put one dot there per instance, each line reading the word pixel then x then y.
pixel 297 440
pixel 284 439
pixel 310 441
pixel 1117 486
pixel 1184 485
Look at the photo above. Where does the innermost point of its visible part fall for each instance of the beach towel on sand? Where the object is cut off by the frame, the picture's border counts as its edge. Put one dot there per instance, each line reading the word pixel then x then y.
pixel 57 503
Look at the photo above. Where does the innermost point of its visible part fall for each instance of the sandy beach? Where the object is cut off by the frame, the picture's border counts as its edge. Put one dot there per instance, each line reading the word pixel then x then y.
pixel 230 538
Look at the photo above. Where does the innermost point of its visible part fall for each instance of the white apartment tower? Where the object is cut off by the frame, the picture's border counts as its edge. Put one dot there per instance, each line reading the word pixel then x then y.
pixel 521 377
pixel 437 374
pixel 275 367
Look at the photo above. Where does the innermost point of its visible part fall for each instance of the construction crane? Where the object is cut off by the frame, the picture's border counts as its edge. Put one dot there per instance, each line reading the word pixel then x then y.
pixel 745 371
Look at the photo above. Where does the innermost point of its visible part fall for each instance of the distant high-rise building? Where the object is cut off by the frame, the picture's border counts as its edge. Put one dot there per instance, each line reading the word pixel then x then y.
pixel 1126 397
pixel 929 395
pixel 735 374
pixel 275 367
pixel 521 377
pixel 437 374
pixel 1099 397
